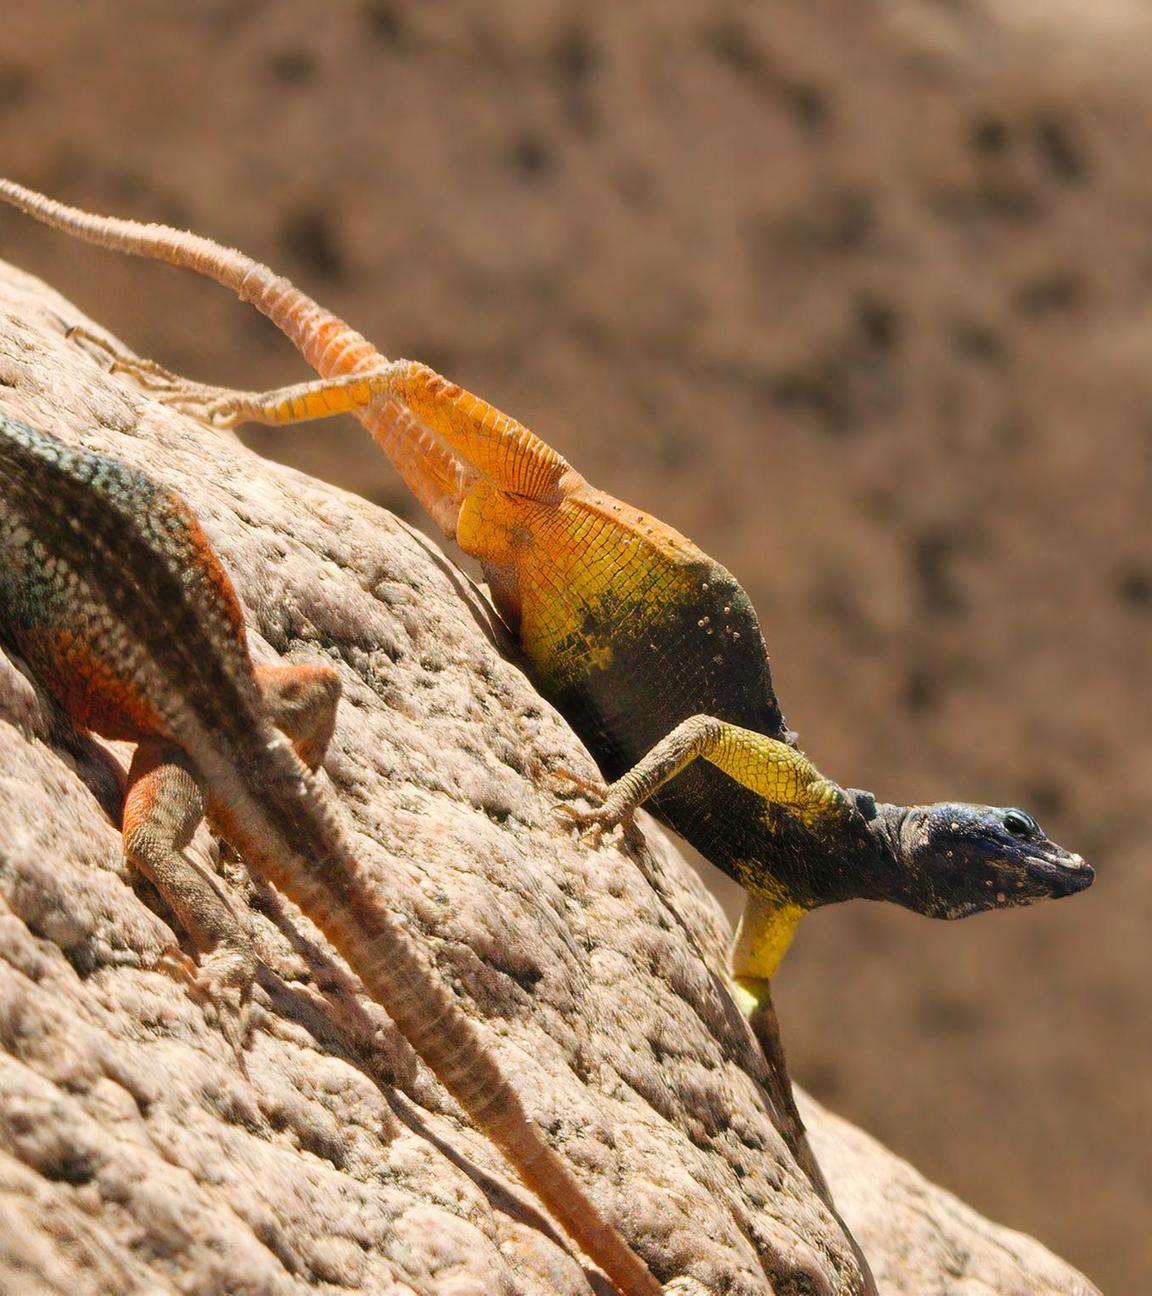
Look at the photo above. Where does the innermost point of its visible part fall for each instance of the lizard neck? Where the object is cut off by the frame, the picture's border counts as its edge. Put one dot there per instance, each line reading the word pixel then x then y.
pixel 873 858
pixel 894 879
pixel 884 826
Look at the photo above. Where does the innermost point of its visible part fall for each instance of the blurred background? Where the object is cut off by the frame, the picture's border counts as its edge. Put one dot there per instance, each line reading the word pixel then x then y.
pixel 859 296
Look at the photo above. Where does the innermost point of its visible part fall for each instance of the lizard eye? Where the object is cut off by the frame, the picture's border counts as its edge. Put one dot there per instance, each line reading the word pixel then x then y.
pixel 1020 824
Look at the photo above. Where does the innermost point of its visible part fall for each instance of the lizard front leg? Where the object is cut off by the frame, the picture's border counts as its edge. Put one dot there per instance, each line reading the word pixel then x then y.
pixel 765 932
pixel 767 926
pixel 776 772
pixel 782 776
pixel 163 807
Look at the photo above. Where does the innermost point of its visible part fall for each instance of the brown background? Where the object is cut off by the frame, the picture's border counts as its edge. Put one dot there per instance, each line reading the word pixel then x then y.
pixel 859 296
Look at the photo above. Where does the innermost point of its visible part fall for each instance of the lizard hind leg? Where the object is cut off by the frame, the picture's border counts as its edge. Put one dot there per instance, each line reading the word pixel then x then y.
pixel 301 702
pixel 766 929
pixel 473 436
pixel 162 809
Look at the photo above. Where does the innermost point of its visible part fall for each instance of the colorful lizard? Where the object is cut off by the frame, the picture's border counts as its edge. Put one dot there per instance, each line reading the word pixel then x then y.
pixel 112 595
pixel 649 648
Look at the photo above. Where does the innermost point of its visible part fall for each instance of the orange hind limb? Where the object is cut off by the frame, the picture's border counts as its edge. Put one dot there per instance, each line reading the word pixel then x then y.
pixel 163 807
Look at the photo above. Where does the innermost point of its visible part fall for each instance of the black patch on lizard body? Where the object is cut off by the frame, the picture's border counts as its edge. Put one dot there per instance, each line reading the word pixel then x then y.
pixel 705 654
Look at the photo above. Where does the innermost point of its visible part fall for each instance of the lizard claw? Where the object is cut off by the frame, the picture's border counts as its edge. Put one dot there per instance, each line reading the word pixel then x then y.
pixel 144 377
pixel 601 817
pixel 593 789
pixel 146 372
pixel 593 823
pixel 224 978
pixel 176 964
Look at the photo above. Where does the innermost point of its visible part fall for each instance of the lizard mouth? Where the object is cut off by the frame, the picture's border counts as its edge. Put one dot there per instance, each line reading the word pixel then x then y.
pixel 1064 874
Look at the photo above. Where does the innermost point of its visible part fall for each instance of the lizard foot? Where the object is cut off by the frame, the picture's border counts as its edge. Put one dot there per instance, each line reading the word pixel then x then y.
pixel 147 372
pixel 176 964
pixel 217 406
pixel 593 823
pixel 603 816
pixel 224 978
pixel 210 404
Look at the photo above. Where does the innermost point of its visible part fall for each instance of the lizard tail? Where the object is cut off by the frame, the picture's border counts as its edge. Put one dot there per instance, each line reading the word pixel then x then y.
pixel 325 341
pixel 428 1016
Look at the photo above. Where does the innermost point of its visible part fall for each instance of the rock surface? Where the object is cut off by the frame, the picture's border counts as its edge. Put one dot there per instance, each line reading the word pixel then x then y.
pixel 856 295
pixel 136 1155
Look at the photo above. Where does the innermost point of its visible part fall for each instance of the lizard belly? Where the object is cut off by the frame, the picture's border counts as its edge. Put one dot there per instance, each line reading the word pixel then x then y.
pixel 95 692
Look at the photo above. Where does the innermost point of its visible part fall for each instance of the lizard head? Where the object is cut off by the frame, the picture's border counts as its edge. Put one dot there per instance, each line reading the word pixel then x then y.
pixel 956 859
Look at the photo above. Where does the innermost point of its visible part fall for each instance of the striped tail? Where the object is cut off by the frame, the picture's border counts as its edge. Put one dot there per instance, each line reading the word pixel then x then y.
pixel 327 343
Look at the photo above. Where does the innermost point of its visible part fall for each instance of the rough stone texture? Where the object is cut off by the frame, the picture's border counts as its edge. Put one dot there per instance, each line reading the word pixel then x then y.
pixel 137 1157
pixel 899 1219
pixel 856 294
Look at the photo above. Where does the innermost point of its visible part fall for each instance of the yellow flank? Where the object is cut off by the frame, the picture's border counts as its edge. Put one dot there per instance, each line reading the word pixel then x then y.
pixel 595 580
pixel 588 570
pixel 775 771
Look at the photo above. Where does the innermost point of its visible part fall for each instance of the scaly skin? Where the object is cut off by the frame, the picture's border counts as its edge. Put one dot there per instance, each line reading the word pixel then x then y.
pixel 111 592
pixel 651 649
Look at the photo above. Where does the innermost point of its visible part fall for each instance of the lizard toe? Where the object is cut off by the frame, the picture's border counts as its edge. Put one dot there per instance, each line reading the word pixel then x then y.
pixel 568 780
pixel 225 979
pixel 592 824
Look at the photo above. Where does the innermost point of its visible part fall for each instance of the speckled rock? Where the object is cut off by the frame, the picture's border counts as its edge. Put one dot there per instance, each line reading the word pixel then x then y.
pixel 137 1155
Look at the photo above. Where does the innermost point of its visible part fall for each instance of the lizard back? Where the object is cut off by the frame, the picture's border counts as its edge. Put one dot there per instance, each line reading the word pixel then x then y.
pixel 59 625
